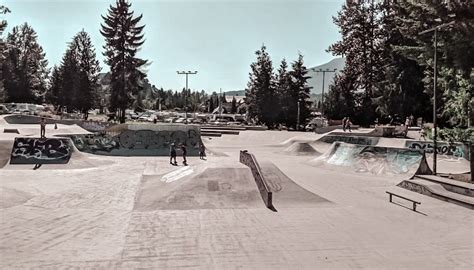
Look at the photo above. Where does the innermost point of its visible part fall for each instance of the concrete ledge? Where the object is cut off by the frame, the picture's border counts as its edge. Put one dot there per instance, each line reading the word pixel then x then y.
pixel 437 191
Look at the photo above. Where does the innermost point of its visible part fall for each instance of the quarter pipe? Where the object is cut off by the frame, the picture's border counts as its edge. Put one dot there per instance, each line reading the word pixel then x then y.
pixel 374 159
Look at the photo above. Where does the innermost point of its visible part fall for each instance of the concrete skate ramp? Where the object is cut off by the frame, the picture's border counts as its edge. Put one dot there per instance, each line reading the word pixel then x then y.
pixel 374 159
pixel 5 152
pixel 301 149
pixel 362 140
pixel 28 150
pixel 213 188
pixel 49 159
pixel 286 193
pixel 140 140
pixel 11 197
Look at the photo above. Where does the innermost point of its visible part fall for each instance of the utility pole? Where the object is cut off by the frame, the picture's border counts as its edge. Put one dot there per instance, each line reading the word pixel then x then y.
pixel 435 81
pixel 298 116
pixel 186 92
pixel 220 102
pixel 322 95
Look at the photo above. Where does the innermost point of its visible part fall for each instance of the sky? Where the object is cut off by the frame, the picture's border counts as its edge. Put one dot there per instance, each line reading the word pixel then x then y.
pixel 217 38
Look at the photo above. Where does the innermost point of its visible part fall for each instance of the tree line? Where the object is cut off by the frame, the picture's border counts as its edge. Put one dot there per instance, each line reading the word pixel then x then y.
pixel 389 64
pixel 275 98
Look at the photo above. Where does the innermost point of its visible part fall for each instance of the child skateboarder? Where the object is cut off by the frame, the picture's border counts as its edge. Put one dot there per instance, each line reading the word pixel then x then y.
pixel 202 151
pixel 42 128
pixel 173 155
pixel 184 152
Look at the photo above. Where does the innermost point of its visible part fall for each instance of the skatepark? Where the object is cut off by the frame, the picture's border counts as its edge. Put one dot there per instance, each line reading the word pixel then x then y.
pixel 261 199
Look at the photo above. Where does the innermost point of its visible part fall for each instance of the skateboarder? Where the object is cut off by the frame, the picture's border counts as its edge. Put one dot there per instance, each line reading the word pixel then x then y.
pixel 344 120
pixel 202 151
pixel 348 124
pixel 42 128
pixel 184 152
pixel 173 155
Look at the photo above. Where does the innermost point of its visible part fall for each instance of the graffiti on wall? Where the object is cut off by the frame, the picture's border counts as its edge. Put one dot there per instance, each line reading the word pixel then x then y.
pixel 456 150
pixel 375 160
pixel 40 151
pixel 137 142
pixel 350 139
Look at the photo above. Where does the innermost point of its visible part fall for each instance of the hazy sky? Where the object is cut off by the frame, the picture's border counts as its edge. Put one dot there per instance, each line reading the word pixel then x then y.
pixel 217 38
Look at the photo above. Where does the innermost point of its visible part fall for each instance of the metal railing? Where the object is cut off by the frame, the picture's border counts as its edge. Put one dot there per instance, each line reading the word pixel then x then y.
pixel 249 160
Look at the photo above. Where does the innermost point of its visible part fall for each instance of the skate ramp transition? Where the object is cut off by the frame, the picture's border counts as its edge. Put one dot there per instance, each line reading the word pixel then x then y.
pixel 198 188
pixel 363 140
pixel 301 149
pixel 28 150
pixel 140 140
pixel 374 159
pixel 276 189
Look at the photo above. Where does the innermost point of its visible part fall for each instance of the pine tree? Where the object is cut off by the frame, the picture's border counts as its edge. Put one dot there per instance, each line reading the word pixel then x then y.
pixel 123 39
pixel 87 96
pixel 233 108
pixel 54 91
pixel 3 51
pixel 298 93
pixel 283 84
pixel 260 94
pixel 359 25
pixel 25 67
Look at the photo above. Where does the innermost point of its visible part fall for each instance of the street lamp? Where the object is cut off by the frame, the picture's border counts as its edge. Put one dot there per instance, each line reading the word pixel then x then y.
pixel 298 115
pixel 186 92
pixel 435 79
pixel 322 94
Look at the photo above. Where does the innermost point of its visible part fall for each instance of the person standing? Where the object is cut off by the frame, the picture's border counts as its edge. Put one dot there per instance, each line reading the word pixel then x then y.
pixel 348 124
pixel 202 151
pixel 184 152
pixel 43 128
pixel 344 120
pixel 173 155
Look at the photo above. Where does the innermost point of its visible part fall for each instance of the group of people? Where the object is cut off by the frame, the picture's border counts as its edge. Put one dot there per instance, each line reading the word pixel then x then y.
pixel 184 152
pixel 346 124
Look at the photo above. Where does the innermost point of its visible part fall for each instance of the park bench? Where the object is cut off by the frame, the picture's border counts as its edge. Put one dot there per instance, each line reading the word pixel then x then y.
pixel 393 194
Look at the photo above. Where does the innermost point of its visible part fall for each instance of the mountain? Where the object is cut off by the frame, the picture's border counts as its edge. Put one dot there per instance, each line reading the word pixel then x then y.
pixel 235 93
pixel 316 80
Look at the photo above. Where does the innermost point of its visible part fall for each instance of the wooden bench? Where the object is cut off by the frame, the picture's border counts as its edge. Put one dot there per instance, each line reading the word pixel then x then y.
pixel 414 202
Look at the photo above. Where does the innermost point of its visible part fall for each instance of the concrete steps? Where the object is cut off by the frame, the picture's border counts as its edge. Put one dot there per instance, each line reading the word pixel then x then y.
pixel 437 190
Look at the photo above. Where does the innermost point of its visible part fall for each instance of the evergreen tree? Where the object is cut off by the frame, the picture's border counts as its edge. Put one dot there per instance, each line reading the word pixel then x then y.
pixel 54 92
pixel 233 108
pixel 298 93
pixel 3 50
pixel 123 39
pixel 340 101
pixel 360 28
pixel 25 69
pixel 260 94
pixel 283 89
pixel 87 96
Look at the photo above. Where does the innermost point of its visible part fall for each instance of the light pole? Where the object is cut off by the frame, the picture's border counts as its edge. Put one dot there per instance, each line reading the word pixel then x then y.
pixel 322 94
pixel 298 115
pixel 435 81
pixel 186 92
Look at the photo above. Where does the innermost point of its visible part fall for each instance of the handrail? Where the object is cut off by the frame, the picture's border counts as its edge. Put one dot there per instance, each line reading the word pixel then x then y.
pixel 248 159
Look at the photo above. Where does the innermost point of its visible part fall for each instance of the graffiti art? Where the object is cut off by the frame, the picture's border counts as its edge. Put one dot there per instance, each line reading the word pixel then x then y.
pixel 40 151
pixel 456 150
pixel 137 142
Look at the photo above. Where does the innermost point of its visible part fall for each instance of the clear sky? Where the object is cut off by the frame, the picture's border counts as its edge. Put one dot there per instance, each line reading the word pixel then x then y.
pixel 218 38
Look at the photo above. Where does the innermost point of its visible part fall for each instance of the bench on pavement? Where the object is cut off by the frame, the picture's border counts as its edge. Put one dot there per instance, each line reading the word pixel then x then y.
pixel 413 201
